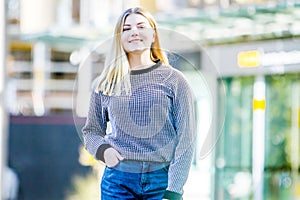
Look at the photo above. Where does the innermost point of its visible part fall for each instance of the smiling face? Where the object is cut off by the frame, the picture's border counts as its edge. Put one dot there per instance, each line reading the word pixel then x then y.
pixel 137 35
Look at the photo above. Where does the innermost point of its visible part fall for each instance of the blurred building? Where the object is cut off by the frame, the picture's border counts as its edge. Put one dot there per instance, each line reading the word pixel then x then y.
pixel 241 57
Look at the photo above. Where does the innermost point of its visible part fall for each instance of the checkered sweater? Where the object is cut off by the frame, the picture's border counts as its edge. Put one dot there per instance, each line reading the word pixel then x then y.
pixel 154 123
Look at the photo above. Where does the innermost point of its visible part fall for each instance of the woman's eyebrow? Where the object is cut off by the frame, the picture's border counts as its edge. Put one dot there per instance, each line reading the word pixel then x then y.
pixel 139 23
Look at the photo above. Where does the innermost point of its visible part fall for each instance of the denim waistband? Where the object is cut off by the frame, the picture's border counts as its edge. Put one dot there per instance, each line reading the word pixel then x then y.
pixel 140 166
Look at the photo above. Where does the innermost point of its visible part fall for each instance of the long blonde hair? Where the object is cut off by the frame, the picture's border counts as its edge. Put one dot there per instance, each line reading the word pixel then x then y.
pixel 116 67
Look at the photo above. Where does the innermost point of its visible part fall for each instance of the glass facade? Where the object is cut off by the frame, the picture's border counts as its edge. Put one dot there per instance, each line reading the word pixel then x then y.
pixel 234 148
pixel 233 162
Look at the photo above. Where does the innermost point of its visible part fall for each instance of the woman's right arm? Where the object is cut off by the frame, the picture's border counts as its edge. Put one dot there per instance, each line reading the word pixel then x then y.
pixel 94 130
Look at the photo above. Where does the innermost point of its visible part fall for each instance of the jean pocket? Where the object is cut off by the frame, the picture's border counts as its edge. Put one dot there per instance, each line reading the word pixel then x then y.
pixel 115 166
pixel 166 168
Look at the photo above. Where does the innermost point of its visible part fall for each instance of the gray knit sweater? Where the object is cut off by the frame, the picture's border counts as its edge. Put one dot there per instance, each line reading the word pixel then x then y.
pixel 154 123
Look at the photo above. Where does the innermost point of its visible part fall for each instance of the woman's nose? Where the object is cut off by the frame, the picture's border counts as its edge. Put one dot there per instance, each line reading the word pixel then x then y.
pixel 134 31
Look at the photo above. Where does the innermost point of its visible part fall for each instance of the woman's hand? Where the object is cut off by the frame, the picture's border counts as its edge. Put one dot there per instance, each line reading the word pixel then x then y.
pixel 112 157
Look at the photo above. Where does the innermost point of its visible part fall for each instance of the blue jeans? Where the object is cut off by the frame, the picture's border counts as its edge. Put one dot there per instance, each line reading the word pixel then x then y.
pixel 134 180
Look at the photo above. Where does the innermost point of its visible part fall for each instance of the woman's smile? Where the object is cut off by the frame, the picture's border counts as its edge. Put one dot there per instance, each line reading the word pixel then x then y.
pixel 135 40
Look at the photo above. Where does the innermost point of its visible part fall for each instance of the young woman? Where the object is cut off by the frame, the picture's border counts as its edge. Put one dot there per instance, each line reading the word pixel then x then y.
pixel 149 105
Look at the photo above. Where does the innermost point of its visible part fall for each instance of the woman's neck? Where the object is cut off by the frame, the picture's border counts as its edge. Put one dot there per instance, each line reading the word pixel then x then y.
pixel 139 61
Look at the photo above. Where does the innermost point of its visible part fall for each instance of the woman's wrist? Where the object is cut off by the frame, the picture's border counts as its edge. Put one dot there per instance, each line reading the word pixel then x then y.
pixel 100 152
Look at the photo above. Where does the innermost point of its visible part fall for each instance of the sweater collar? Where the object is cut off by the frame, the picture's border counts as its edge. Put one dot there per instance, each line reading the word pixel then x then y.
pixel 146 70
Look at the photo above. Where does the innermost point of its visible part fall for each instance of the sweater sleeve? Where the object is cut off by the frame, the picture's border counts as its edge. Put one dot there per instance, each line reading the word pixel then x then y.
pixel 94 130
pixel 184 123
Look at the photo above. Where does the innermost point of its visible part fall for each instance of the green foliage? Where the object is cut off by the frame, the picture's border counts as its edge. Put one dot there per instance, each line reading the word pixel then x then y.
pixel 84 187
pixel 278 120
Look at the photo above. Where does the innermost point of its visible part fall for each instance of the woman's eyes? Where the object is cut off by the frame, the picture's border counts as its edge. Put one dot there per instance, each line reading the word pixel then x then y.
pixel 129 28
pixel 141 26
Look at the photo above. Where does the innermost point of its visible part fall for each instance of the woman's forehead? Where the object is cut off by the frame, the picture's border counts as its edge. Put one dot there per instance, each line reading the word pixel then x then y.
pixel 134 18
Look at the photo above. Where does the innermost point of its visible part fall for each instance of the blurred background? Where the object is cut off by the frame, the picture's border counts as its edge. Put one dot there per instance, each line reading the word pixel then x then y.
pixel 242 58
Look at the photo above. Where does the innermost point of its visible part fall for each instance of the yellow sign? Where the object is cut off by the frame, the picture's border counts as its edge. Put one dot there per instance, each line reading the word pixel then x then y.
pixel 259 104
pixel 297 190
pixel 249 59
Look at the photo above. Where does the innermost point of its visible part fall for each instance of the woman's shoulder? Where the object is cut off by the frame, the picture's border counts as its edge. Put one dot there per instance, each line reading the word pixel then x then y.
pixel 95 89
pixel 174 75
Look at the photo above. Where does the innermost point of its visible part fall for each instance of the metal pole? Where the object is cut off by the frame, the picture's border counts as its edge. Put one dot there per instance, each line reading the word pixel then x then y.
pixel 3 113
pixel 258 142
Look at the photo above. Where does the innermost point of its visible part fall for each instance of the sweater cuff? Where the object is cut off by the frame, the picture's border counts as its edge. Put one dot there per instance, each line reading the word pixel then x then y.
pixel 172 195
pixel 100 152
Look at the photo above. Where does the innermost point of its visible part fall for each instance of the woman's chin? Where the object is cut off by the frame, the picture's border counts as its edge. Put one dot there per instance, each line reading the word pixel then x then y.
pixel 137 50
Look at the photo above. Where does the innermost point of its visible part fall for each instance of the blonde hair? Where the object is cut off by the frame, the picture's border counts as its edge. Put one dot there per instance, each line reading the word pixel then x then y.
pixel 116 67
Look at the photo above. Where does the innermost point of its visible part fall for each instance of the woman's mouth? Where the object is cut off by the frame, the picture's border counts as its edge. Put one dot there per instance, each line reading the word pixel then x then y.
pixel 135 40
